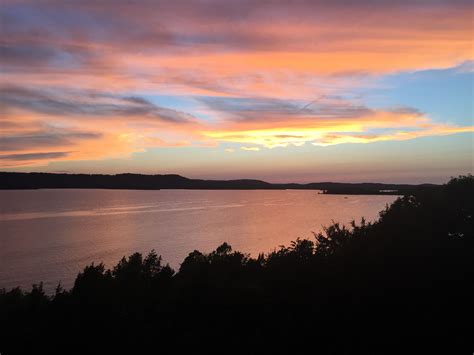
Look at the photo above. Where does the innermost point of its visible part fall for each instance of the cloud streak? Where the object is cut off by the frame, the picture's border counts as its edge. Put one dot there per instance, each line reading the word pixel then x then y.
pixel 33 156
pixel 85 103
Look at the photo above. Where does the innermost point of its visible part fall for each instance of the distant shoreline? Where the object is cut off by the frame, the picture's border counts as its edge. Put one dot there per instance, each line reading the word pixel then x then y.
pixel 34 181
pixel 322 192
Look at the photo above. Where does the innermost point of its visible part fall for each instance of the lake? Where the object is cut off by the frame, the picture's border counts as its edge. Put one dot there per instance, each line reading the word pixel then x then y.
pixel 50 235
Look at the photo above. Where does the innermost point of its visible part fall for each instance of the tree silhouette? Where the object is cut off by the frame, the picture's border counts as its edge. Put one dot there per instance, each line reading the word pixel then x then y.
pixel 400 284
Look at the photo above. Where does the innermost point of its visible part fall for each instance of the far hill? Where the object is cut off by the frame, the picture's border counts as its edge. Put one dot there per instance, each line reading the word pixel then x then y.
pixel 11 180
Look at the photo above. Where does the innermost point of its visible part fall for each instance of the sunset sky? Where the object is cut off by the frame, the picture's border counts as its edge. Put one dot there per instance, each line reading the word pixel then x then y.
pixel 276 90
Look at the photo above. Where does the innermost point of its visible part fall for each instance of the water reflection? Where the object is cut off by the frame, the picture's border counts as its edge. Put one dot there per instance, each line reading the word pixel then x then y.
pixel 50 235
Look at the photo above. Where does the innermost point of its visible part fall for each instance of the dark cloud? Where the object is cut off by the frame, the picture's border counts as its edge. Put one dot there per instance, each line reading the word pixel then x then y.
pixel 38 101
pixel 43 140
pixel 27 45
pixel 136 100
pixel 242 104
pixel 85 103
pixel 23 54
pixel 405 110
pixel 257 109
pixel 34 156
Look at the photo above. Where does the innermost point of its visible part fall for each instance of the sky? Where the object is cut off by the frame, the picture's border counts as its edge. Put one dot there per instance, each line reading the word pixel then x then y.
pixel 299 91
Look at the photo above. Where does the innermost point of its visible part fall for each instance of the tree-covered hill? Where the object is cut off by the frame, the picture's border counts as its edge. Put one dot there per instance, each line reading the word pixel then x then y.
pixel 12 180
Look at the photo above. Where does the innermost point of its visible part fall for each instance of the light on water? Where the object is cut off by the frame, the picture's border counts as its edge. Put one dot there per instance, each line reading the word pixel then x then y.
pixel 50 235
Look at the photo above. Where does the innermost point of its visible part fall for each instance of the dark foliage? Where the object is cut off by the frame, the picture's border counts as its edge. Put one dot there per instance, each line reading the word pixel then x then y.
pixel 403 284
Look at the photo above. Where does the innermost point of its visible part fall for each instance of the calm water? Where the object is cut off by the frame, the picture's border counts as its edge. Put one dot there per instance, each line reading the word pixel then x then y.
pixel 50 235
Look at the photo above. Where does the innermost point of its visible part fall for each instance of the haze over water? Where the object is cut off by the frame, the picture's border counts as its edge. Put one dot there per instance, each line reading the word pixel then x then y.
pixel 50 235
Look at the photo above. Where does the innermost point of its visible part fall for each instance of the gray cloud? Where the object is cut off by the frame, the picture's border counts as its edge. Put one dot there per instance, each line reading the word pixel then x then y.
pixel 34 156
pixel 258 109
pixel 43 139
pixel 23 54
pixel 406 110
pixel 85 103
